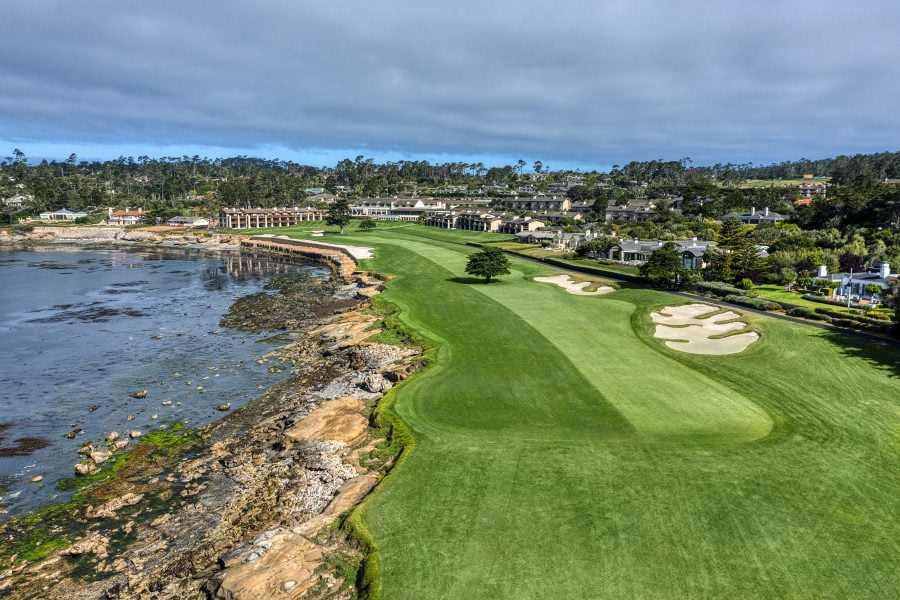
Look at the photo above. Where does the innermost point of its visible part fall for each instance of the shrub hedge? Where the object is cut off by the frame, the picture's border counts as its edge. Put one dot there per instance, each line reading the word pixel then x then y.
pixel 844 320
pixel 718 288
pixel 757 303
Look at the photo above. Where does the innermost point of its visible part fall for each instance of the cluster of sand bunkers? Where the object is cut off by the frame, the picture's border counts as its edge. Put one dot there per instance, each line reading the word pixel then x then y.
pixel 575 287
pixel 702 329
pixel 694 328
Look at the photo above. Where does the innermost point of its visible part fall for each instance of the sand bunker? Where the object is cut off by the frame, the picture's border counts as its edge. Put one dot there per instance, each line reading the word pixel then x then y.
pixel 568 284
pixel 356 251
pixel 690 332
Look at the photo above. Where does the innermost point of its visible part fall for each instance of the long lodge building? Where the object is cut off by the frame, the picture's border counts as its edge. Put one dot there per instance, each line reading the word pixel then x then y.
pixel 252 218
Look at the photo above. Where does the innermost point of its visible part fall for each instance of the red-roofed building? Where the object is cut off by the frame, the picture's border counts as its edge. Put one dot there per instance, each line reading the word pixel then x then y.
pixel 124 217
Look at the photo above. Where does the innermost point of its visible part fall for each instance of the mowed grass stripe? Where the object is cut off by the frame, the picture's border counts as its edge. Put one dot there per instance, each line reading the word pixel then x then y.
pixel 499 375
pixel 658 396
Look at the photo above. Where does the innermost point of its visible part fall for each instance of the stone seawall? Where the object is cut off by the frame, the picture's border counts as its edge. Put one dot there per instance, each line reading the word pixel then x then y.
pixel 77 233
pixel 339 259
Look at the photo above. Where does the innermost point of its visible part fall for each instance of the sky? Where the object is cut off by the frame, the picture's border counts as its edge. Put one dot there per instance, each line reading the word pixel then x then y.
pixel 572 83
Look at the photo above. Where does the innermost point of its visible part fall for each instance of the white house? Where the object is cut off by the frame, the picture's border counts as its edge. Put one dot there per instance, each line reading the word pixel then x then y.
pixel 17 200
pixel 854 284
pixel 124 217
pixel 62 214
pixel 188 222
pixel 755 217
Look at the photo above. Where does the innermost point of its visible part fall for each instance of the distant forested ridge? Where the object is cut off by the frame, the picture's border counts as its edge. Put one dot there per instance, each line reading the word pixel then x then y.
pixel 860 168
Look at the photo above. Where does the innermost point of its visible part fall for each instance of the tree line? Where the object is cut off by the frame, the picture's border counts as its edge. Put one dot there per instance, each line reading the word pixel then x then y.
pixel 858 195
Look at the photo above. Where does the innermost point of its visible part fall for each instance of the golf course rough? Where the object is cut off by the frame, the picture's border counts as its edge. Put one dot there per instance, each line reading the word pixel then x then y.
pixel 561 451
pixel 702 329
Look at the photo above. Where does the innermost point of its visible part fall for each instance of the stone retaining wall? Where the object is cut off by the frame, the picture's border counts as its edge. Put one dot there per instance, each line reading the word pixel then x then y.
pixel 339 258
pixel 78 233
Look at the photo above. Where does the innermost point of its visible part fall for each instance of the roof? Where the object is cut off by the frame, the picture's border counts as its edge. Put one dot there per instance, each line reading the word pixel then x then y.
pixel 283 209
pixel 538 235
pixel 64 211
pixel 186 219
pixel 695 247
pixel 754 214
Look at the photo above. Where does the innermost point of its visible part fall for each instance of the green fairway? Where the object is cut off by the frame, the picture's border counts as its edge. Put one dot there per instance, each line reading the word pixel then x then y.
pixel 563 452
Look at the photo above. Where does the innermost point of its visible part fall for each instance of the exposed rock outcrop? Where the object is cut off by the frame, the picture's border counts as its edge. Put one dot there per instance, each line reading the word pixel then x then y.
pixel 120 235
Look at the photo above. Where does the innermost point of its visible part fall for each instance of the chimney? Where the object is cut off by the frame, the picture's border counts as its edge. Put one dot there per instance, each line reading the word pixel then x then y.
pixel 109 212
pixel 885 270
pixel 823 271
pixel 752 210
pixel 694 241
pixel 767 211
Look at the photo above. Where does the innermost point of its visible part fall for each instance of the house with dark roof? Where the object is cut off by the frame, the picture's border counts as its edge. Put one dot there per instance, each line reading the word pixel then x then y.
pixel 582 207
pixel 556 217
pixel 536 237
pixel 478 221
pixel 634 210
pixel 637 252
pixel 519 224
pixel 755 217
pixel 538 203
pixel 557 238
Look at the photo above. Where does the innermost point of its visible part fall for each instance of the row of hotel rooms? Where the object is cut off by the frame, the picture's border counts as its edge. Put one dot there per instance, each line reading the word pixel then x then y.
pixel 474 214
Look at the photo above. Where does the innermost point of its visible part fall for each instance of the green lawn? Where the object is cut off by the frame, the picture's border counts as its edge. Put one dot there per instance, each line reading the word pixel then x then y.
pixel 562 452
pixel 777 293
pixel 456 235
pixel 758 183
pixel 613 268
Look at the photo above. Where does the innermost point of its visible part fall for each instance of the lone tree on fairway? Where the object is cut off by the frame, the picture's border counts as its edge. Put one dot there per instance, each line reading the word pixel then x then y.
pixel 367 225
pixel 488 263
pixel 339 213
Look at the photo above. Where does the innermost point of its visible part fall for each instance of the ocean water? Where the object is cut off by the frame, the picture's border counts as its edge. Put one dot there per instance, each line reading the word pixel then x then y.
pixel 80 329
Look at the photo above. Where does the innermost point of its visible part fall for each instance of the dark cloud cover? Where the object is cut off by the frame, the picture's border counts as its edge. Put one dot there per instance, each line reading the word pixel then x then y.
pixel 572 81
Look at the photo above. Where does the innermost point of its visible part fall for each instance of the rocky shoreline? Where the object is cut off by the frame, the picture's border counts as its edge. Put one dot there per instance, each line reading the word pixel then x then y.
pixel 103 235
pixel 244 507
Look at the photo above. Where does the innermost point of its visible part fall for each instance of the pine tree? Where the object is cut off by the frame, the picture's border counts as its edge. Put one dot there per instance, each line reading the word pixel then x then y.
pixel 488 263
pixel 665 268
pixel 338 213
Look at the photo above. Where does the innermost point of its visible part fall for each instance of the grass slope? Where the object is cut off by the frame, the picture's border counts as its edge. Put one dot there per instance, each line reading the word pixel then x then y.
pixel 562 452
